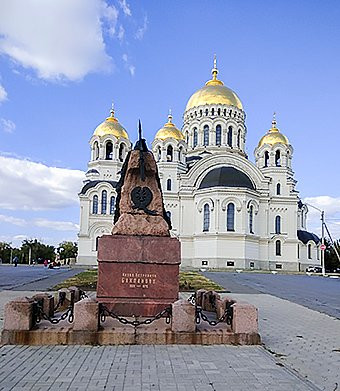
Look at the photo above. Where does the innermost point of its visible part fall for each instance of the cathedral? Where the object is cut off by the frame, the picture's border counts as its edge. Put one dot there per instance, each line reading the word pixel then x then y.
pixel 227 211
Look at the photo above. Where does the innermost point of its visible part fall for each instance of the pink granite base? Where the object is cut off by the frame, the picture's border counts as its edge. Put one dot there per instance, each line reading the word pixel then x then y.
pixel 138 275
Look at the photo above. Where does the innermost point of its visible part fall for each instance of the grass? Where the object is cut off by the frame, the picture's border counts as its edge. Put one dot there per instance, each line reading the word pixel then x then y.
pixel 188 281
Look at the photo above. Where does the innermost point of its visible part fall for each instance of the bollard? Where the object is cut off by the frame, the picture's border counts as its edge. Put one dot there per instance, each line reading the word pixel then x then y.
pixel 183 316
pixel 86 315
pixel 245 318
pixel 47 302
pixel 19 314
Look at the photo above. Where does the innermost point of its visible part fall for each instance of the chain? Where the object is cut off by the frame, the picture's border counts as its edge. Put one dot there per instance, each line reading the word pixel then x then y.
pixel 61 299
pixel 83 295
pixel 227 316
pixel 104 312
pixel 40 314
pixel 192 299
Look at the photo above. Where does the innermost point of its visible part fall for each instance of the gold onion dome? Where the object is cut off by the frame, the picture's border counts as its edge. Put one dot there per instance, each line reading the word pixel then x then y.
pixel 111 126
pixel 273 136
pixel 214 92
pixel 169 130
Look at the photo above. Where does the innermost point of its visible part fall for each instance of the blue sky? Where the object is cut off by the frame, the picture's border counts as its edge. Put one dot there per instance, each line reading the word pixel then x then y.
pixel 63 62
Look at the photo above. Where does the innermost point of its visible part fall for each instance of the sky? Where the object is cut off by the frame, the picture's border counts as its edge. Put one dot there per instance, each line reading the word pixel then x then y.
pixel 62 63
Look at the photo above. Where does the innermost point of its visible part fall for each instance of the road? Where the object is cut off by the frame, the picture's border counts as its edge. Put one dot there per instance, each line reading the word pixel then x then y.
pixel 32 278
pixel 315 292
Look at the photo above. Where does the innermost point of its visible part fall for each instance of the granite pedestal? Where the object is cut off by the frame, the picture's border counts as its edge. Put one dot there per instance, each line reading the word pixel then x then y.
pixel 138 275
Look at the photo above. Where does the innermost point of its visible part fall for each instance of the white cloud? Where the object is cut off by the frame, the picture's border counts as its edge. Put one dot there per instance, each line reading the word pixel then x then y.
pixel 331 207
pixel 125 7
pixel 121 33
pixel 7 125
pixel 3 94
pixel 28 185
pixel 128 65
pixel 57 39
pixel 54 225
pixel 12 220
pixel 142 30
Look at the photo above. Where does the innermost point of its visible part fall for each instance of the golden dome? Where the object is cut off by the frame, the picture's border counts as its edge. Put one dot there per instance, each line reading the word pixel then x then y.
pixel 214 92
pixel 111 126
pixel 169 130
pixel 273 136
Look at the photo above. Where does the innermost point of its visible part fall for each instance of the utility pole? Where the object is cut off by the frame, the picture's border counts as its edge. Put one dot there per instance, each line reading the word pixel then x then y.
pixel 323 242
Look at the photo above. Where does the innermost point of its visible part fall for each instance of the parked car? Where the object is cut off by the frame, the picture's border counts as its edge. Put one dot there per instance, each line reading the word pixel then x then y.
pixel 314 269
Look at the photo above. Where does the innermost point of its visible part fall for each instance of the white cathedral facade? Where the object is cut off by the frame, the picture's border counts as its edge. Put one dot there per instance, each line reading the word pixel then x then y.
pixel 227 211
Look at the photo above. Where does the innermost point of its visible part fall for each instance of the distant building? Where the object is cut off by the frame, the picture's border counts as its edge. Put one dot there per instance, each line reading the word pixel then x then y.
pixel 226 211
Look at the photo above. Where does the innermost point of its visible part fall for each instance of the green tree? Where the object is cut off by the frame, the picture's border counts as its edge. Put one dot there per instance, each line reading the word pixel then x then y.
pixel 5 252
pixel 39 251
pixel 331 260
pixel 67 250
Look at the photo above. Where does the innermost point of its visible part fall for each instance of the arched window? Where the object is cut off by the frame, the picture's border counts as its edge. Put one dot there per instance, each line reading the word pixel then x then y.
pixel 187 137
pixel 112 205
pixel 278 247
pixel 180 154
pixel 309 251
pixel 302 217
pixel 95 205
pixel 104 202
pixel 212 111
pixel 251 219
pixel 278 224
pixel 95 151
pixel 195 137
pixel 218 111
pixel 206 218
pixel 231 217
pixel 169 153
pixel 201 113
pixel 225 112
pixel 121 152
pixel 239 138
pixel 206 111
pixel 277 159
pixel 206 135
pixel 230 137
pixel 266 158
pixel 168 213
pixel 109 151
pixel 218 134
pixel 168 184
pixel 278 189
pixel 97 239
pixel 159 154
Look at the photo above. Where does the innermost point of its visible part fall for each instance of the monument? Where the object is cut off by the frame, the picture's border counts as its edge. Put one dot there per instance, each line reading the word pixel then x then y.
pixel 138 264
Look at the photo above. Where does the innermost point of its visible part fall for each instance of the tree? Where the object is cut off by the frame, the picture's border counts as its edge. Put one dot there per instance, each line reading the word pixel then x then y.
pixel 331 260
pixel 67 250
pixel 39 251
pixel 5 252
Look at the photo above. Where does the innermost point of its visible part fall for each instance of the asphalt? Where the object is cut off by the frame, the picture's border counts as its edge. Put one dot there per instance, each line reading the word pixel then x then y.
pixel 315 292
pixel 33 278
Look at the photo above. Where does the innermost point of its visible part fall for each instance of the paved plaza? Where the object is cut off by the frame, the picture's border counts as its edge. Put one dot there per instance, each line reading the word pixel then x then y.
pixel 301 351
pixel 136 368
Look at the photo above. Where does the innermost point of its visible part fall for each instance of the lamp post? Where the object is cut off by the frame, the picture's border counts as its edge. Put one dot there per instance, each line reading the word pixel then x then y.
pixel 322 237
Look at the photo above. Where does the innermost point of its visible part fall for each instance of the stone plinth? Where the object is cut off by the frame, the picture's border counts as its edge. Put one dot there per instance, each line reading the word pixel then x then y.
pixel 19 314
pixel 47 302
pixel 245 318
pixel 137 275
pixel 183 316
pixel 86 315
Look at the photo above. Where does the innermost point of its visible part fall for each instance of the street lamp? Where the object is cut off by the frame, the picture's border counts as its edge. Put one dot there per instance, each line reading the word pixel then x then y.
pixel 322 236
